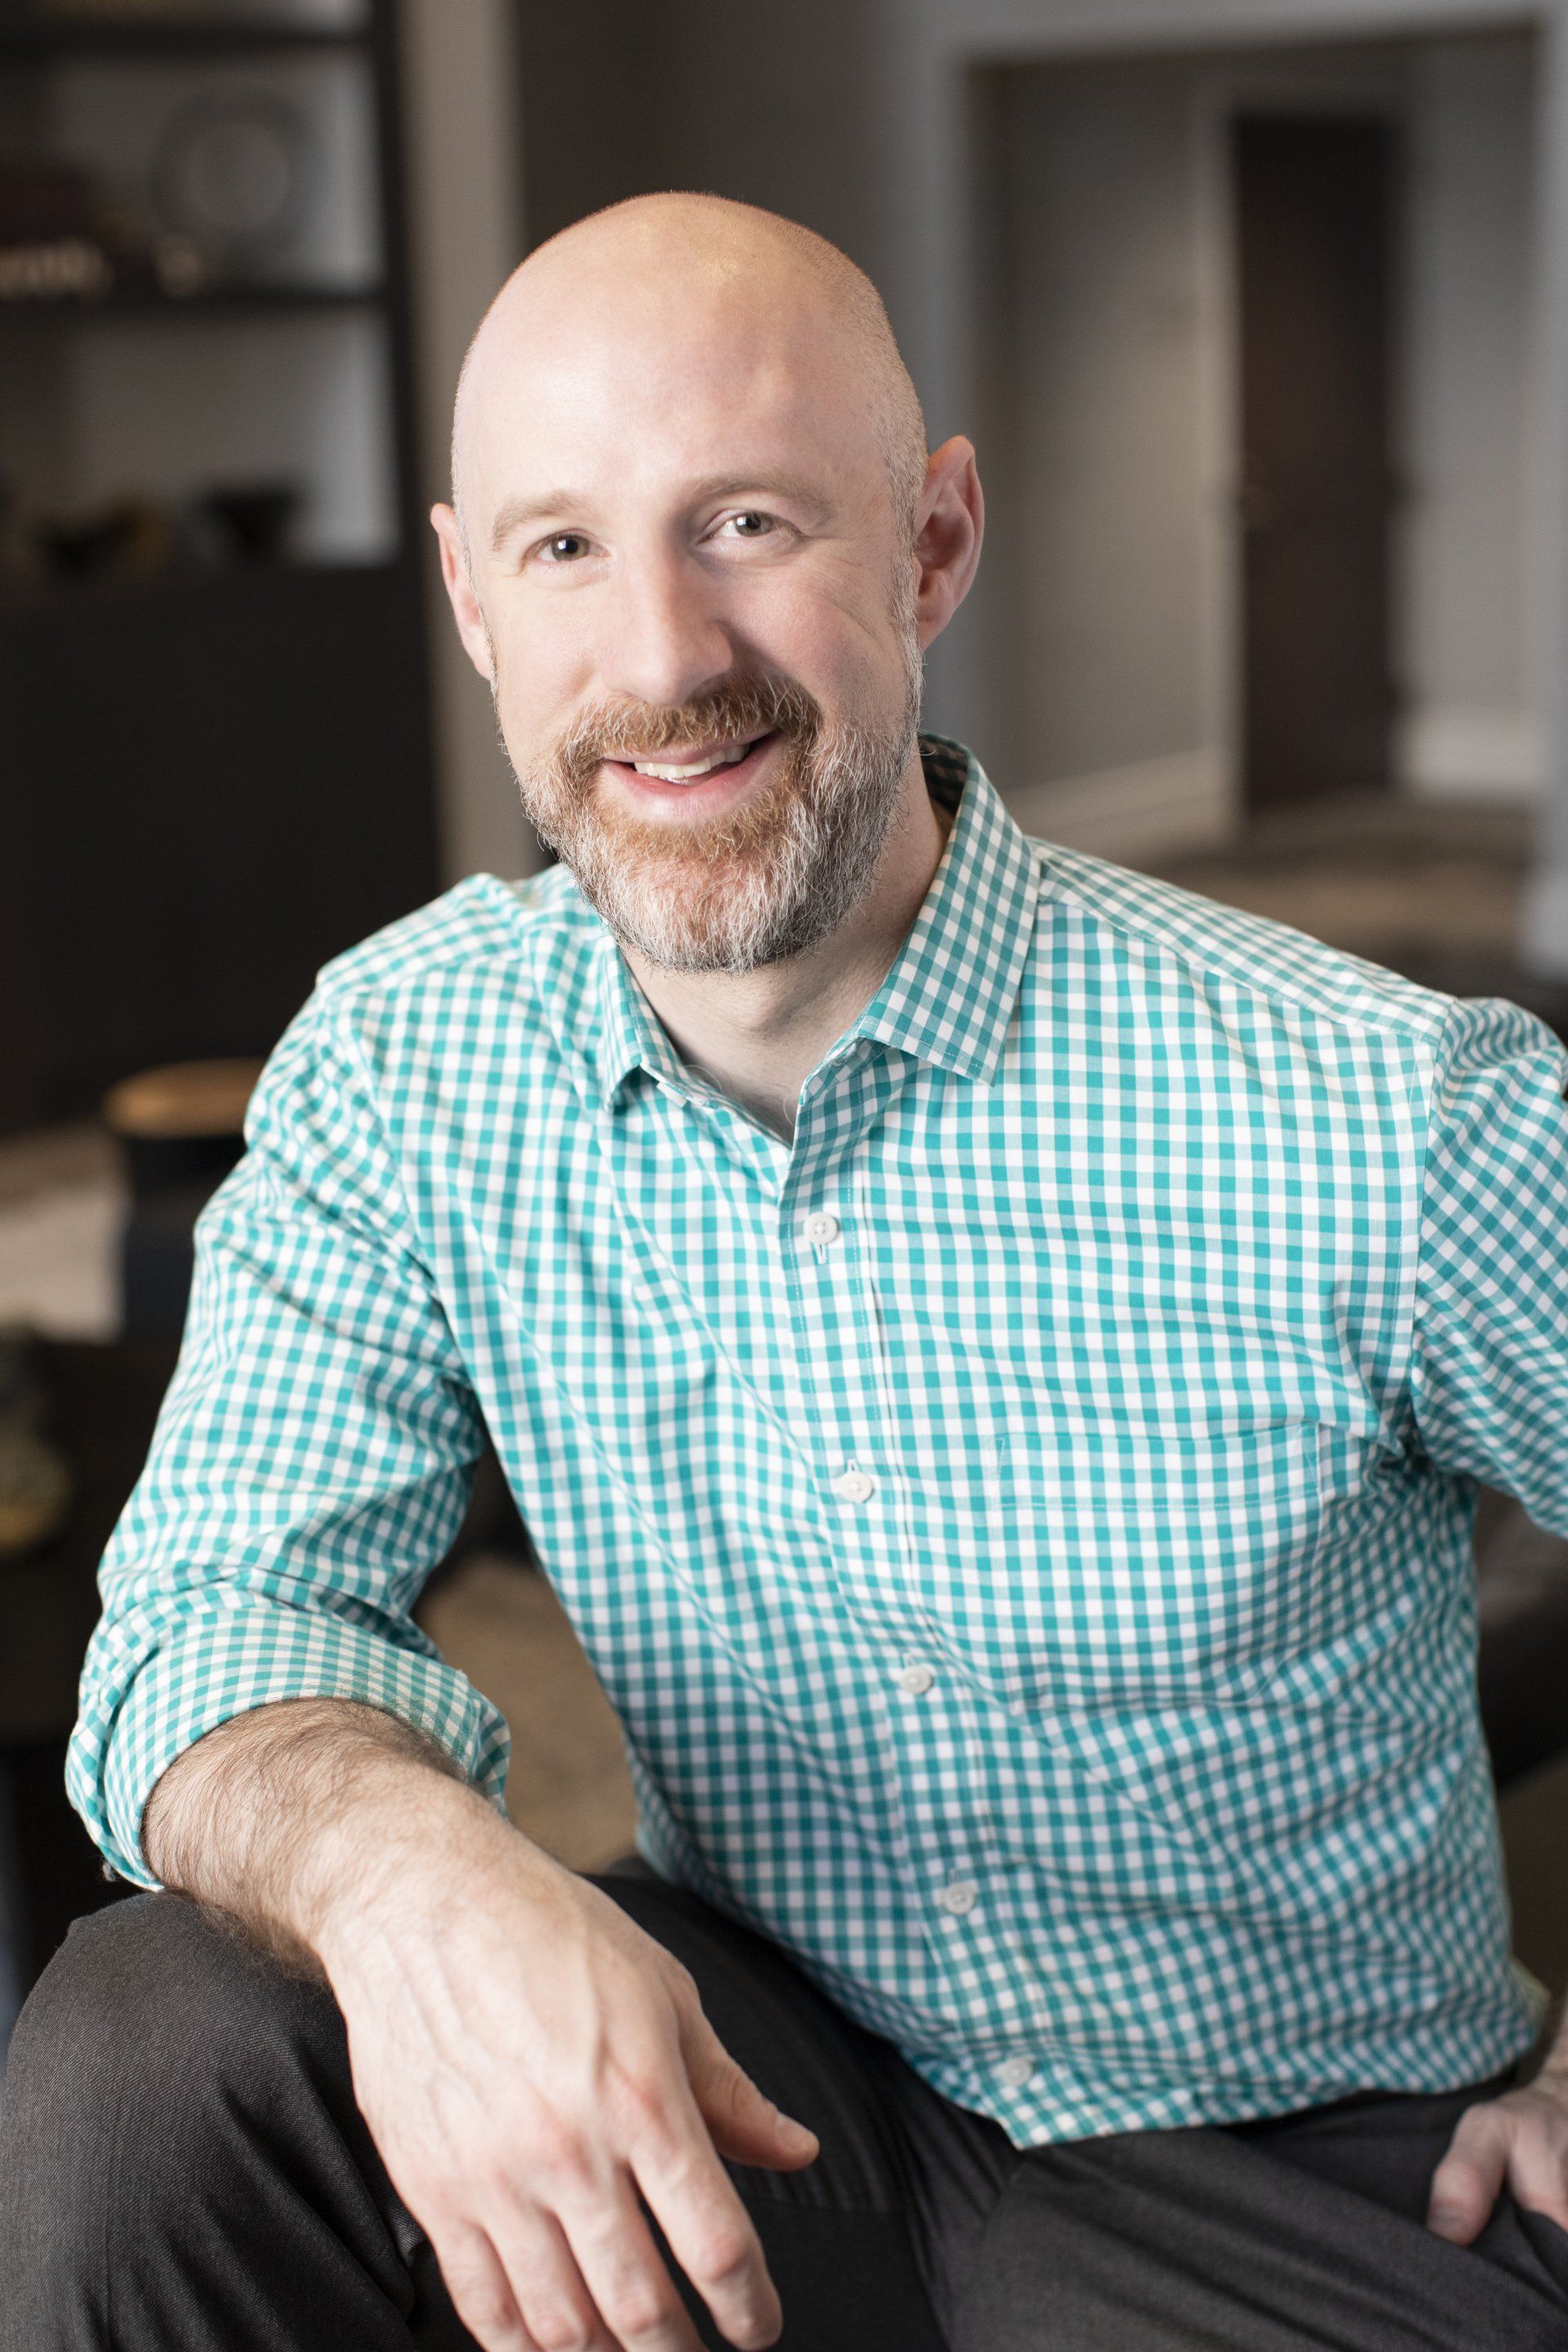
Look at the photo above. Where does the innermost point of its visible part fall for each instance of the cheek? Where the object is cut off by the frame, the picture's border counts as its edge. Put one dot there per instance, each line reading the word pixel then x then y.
pixel 538 677
pixel 836 637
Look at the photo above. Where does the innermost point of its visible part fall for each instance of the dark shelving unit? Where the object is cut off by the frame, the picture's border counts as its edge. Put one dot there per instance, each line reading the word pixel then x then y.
pixel 216 777
pixel 48 38
pixel 133 302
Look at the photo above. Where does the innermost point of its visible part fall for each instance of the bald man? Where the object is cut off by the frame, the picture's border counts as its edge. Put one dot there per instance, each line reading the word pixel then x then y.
pixel 996 1355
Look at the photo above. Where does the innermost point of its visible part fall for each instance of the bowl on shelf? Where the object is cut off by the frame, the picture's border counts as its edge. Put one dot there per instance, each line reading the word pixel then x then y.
pixel 251 522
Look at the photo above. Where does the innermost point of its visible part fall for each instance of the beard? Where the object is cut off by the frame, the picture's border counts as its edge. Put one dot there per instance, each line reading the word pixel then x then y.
pixel 759 884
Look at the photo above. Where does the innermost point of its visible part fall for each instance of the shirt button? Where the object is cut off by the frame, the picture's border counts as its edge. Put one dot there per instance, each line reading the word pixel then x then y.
pixel 820 1229
pixel 854 1486
pixel 1014 2072
pixel 917 1680
pixel 958 1895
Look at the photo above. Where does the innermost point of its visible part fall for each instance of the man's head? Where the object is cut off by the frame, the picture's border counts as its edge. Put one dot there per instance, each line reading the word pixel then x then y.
pixel 695 529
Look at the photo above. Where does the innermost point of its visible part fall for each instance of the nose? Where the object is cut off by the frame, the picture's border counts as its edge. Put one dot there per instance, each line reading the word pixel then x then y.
pixel 663 640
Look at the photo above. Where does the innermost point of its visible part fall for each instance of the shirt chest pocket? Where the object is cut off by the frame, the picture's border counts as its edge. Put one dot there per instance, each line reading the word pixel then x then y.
pixel 1145 1567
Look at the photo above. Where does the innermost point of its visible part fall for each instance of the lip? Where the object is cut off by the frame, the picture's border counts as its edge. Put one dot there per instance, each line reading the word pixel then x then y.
pixel 703 795
pixel 686 756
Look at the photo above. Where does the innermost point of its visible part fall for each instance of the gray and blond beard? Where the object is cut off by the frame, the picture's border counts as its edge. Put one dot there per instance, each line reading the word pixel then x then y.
pixel 753 890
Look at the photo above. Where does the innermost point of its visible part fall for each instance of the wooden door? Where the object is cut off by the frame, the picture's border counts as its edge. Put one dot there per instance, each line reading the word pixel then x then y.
pixel 1313 218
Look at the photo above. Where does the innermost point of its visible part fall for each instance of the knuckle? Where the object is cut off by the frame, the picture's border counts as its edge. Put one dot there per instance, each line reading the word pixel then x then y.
pixel 564 2335
pixel 681 1988
pixel 486 2317
pixel 637 2310
pixel 560 2155
pixel 720 2249
pixel 639 2103
pixel 556 2329
pixel 491 2173
pixel 680 1976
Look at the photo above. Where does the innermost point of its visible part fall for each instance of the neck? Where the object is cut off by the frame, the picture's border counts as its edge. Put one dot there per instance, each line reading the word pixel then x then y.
pixel 758 1036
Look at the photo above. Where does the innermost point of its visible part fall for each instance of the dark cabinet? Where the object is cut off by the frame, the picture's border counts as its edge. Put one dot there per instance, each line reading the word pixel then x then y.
pixel 215 766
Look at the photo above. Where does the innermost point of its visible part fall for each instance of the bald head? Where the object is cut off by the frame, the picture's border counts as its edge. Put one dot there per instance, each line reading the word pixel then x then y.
pixel 714 267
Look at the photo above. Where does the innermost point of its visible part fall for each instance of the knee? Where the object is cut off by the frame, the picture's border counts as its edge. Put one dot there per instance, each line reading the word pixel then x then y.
pixel 147 2018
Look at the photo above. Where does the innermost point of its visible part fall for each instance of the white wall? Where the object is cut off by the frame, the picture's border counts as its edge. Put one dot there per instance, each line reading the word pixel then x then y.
pixel 1470 459
pixel 462 117
pixel 1097 508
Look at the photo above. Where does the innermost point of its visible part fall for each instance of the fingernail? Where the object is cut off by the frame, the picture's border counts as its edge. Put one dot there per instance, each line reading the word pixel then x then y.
pixel 1447 2222
pixel 797 2132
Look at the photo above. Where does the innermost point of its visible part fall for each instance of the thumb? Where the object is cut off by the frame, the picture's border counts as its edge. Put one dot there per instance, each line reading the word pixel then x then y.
pixel 744 2126
pixel 1466 2184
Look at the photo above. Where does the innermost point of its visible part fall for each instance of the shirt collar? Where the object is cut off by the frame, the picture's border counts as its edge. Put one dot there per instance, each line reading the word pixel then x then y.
pixel 950 994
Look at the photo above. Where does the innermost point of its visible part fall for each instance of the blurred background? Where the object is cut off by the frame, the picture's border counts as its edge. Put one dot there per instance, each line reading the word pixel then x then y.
pixel 1257 312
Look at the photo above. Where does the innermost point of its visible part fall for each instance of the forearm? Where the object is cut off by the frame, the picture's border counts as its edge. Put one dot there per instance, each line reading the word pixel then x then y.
pixel 528 2061
pixel 286 1813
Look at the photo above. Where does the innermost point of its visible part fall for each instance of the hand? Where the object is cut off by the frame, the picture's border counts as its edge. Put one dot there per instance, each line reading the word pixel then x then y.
pixel 1519 2140
pixel 528 2060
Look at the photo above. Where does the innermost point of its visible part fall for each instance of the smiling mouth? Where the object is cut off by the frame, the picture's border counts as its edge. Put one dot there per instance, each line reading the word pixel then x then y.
pixel 691 764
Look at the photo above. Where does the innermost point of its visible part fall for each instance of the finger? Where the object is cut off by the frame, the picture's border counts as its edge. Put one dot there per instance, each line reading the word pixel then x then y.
pixel 709 2231
pixel 745 2123
pixel 631 2288
pixel 546 2284
pixel 1466 2184
pixel 1538 2170
pixel 476 2280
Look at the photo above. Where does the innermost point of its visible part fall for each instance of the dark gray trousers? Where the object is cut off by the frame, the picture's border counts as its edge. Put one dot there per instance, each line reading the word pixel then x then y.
pixel 182 2169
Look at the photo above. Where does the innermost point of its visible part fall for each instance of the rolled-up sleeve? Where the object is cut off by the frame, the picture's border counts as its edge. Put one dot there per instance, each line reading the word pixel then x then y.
pixel 1489 1366
pixel 311 1462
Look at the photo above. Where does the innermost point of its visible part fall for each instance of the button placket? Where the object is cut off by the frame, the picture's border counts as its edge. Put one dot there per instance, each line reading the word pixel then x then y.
pixel 838 1387
pixel 854 1486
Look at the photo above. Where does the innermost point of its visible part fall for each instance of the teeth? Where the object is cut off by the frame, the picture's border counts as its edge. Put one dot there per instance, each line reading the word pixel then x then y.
pixel 667 773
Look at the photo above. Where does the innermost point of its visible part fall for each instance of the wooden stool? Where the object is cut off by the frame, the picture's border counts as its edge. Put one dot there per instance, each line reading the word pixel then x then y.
pixel 181 1130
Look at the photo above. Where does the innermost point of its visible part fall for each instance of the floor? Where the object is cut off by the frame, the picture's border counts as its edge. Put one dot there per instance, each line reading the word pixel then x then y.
pixel 1432 892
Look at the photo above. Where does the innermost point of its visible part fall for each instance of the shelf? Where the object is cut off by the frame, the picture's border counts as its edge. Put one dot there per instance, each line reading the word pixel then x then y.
pixel 234 301
pixel 73 37
pixel 185 589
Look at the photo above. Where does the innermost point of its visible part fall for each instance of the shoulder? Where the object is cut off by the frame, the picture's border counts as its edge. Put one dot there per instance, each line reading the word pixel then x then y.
pixel 491 972
pixel 1220 950
pixel 481 926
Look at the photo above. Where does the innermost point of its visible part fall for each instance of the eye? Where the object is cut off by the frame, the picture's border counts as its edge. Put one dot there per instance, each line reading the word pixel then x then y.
pixel 564 547
pixel 750 523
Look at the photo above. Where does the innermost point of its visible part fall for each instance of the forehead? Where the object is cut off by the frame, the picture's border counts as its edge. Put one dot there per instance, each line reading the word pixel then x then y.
pixel 626 391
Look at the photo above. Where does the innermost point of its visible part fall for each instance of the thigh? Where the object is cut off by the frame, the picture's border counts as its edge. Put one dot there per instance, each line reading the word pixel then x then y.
pixel 1301 2235
pixel 183 2161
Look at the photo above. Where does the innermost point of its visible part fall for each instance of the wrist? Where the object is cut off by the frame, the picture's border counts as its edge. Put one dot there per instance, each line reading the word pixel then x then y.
pixel 398 1848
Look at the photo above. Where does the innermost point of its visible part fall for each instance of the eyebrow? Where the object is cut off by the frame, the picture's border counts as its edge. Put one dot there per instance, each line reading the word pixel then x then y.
pixel 771 481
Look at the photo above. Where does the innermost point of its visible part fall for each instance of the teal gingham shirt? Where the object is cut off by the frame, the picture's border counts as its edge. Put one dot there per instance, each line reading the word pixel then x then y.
pixel 1022 1525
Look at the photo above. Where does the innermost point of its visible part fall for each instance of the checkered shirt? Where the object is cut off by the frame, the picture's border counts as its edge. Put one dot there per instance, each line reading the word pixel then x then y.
pixel 1023 1525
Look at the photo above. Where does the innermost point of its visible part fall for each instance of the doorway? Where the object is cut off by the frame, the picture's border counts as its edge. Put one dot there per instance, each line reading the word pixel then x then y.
pixel 1314 198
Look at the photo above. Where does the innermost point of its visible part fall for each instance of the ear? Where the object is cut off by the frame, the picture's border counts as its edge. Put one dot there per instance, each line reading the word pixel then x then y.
pixel 460 589
pixel 949 524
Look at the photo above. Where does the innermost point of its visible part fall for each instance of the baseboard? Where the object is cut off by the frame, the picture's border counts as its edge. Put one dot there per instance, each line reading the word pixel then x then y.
pixel 1456 753
pixel 1150 809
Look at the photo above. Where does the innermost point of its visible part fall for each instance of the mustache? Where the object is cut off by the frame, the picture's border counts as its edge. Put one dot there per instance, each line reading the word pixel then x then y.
pixel 621 727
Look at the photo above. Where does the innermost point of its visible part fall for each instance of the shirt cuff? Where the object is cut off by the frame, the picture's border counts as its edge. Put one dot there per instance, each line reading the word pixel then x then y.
pixel 220 1663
